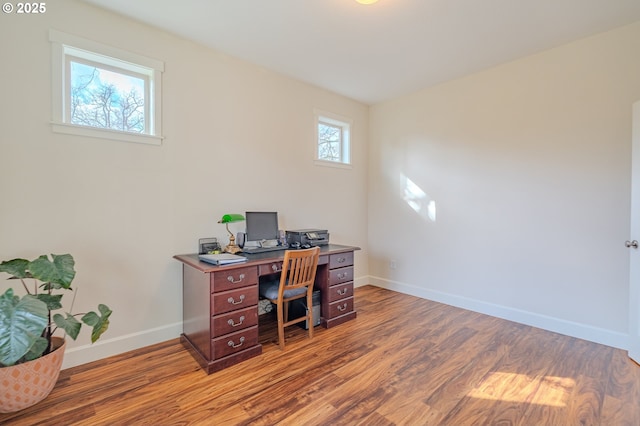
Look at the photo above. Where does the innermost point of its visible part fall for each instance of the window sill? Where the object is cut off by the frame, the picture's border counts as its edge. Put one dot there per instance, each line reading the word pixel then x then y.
pixel 335 164
pixel 115 135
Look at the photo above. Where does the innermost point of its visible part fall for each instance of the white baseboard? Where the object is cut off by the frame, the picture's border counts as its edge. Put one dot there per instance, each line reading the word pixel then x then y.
pixel 104 348
pixel 568 328
pixel 359 282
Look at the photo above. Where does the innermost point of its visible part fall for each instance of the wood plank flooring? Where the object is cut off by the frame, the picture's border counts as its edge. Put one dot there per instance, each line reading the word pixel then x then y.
pixel 402 361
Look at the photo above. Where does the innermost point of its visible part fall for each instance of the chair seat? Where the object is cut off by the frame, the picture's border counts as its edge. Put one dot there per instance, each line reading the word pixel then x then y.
pixel 270 290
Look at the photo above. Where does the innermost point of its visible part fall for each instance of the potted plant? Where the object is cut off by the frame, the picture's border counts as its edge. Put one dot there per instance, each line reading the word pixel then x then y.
pixel 28 325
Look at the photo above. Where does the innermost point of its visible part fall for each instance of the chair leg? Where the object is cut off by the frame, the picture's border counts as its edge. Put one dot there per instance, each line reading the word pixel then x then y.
pixel 310 315
pixel 281 319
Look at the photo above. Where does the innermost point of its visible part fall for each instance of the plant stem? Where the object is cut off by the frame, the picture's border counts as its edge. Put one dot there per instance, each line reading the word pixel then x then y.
pixel 48 330
pixel 25 286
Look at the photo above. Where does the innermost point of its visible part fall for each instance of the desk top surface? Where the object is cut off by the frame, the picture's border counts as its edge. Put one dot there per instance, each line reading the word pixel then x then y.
pixel 256 258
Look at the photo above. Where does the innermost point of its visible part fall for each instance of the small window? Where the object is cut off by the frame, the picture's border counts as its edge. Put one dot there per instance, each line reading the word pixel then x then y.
pixel 106 97
pixel 104 92
pixel 332 139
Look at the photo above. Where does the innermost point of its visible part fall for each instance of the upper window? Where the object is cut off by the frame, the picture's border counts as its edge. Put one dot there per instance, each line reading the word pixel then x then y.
pixel 104 92
pixel 333 134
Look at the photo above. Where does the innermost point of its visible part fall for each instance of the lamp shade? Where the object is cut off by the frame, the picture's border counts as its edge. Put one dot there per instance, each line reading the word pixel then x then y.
pixel 233 217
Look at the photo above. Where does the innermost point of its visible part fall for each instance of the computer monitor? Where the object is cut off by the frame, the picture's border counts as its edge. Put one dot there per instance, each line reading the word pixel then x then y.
pixel 261 226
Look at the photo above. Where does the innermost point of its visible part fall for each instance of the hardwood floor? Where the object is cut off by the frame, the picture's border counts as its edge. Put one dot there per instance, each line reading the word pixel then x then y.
pixel 402 361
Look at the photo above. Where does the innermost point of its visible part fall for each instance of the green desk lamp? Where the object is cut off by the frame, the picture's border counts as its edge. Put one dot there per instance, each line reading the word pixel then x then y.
pixel 227 219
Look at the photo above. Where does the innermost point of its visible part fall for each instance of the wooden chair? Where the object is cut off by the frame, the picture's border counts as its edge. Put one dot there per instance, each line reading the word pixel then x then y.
pixel 296 281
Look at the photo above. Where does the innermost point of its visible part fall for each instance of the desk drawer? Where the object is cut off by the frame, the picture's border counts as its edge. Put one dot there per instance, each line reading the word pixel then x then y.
pixel 340 307
pixel 232 300
pixel 233 278
pixel 234 342
pixel 234 321
pixel 339 260
pixel 340 291
pixel 270 268
pixel 340 275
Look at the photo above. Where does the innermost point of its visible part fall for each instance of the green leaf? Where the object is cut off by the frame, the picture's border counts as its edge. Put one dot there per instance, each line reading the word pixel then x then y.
pixel 99 323
pixel 16 268
pixel 22 321
pixel 69 324
pixel 58 273
pixel 53 301
pixel 37 349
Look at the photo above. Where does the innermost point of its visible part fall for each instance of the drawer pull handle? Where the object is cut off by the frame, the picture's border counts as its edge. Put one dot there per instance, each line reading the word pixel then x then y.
pixel 343 291
pixel 343 275
pixel 233 345
pixel 276 268
pixel 342 259
pixel 233 324
pixel 342 307
pixel 233 302
pixel 232 280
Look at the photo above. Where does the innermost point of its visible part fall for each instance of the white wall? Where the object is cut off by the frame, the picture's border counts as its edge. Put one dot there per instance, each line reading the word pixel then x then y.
pixel 529 167
pixel 238 138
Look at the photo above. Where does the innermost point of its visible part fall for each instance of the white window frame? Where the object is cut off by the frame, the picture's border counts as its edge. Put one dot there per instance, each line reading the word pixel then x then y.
pixel 66 47
pixel 345 124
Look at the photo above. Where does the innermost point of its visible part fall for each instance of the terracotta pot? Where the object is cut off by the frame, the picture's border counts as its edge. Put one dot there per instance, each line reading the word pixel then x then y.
pixel 24 385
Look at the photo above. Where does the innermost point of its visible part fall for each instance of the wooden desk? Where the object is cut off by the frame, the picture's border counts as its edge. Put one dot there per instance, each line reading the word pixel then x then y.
pixel 220 303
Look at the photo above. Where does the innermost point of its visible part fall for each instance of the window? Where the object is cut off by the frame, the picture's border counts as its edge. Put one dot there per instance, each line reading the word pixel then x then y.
pixel 332 139
pixel 105 92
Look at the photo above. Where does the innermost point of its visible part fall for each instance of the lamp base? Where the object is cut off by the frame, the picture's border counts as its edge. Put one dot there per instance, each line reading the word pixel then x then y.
pixel 232 248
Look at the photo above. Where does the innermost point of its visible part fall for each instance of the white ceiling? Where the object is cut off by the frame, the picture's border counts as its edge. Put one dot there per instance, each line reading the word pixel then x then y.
pixel 377 52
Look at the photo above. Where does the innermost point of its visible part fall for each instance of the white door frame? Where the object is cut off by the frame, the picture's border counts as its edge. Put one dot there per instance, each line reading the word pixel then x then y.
pixel 634 253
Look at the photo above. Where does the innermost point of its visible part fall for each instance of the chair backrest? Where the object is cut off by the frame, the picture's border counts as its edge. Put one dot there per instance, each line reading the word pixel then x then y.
pixel 298 269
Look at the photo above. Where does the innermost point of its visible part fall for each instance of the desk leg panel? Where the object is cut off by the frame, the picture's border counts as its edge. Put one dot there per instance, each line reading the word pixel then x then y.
pixel 196 317
pixel 193 350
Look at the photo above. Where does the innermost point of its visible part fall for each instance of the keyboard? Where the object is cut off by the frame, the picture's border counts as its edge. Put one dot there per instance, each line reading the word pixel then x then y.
pixel 253 250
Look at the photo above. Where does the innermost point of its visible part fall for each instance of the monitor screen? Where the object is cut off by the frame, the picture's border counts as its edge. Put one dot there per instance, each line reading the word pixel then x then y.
pixel 262 226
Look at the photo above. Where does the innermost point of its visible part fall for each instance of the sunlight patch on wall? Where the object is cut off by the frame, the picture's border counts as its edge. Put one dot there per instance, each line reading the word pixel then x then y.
pixel 418 200
pixel 541 390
